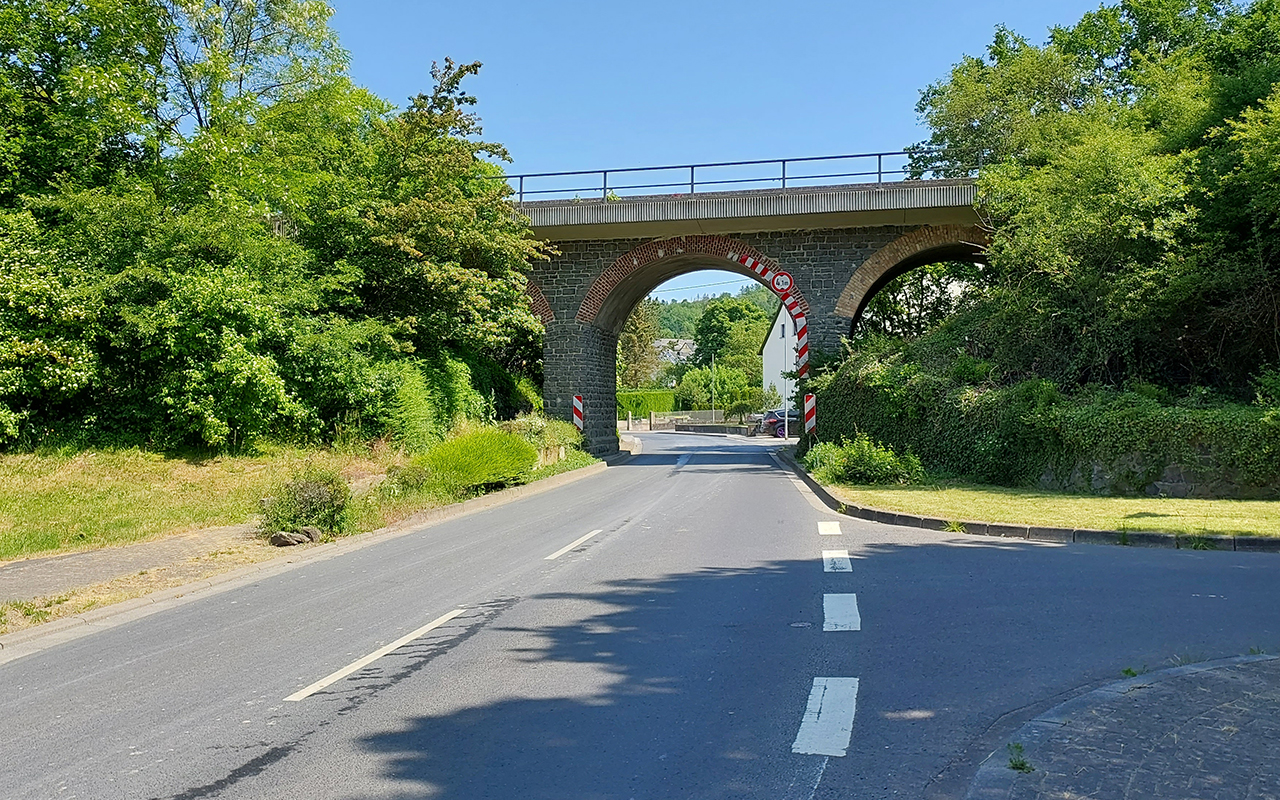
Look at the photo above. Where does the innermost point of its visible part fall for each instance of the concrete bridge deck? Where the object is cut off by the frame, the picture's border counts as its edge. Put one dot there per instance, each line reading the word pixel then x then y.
pixel 905 203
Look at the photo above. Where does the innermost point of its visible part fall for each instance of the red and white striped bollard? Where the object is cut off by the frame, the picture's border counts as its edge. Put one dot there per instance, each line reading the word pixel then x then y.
pixel 810 413
pixel 577 412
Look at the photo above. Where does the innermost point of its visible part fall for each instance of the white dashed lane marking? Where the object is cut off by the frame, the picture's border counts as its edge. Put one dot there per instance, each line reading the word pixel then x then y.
pixel 829 527
pixel 840 612
pixel 570 546
pixel 828 718
pixel 355 666
pixel 836 561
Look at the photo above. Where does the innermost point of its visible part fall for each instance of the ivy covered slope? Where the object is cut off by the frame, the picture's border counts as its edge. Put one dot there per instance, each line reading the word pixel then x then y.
pixel 1127 326
pixel 209 235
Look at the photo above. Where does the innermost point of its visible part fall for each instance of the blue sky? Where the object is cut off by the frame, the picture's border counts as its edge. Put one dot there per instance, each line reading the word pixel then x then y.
pixel 601 85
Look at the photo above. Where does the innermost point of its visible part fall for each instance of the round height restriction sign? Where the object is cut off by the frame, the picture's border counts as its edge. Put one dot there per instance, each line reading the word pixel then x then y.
pixel 782 282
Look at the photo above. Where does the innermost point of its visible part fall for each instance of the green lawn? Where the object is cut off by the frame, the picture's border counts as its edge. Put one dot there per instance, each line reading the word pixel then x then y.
pixel 1051 509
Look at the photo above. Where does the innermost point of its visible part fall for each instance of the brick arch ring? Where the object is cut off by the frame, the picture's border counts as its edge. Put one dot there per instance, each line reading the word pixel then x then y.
pixel 918 248
pixel 739 257
pixel 538 303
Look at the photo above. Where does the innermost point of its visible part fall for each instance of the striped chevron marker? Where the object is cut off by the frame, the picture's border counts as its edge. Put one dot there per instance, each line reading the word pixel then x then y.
pixel 793 308
pixel 810 413
pixel 577 412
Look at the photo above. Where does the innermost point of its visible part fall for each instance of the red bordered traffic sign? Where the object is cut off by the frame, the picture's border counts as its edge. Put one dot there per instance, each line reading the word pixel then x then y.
pixel 782 282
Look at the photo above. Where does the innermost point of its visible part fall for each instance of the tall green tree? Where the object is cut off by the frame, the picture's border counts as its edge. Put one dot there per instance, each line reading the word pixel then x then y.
pixel 712 333
pixel 637 356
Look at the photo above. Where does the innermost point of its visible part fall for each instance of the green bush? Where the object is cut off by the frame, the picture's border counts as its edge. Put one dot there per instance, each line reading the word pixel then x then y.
pixel 861 461
pixel 543 433
pixel 480 459
pixel 313 496
pixel 641 403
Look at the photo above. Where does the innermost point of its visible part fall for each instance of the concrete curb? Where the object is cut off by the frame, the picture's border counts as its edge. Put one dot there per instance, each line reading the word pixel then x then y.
pixel 41 637
pixel 994 780
pixel 1244 544
pixel 738 430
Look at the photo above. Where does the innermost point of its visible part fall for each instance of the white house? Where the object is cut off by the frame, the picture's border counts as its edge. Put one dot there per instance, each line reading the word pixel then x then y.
pixel 779 355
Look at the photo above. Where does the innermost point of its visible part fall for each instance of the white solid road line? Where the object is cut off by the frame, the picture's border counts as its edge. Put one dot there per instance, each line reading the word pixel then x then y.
pixel 571 545
pixel 836 561
pixel 828 718
pixel 829 527
pixel 372 657
pixel 840 612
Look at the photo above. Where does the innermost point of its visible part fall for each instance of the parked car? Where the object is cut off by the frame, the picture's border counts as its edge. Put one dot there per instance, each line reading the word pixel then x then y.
pixel 772 422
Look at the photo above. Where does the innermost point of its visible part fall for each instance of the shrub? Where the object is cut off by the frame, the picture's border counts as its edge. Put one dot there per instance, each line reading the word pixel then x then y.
pixel 414 415
pixel 313 496
pixel 543 433
pixel 861 461
pixel 481 458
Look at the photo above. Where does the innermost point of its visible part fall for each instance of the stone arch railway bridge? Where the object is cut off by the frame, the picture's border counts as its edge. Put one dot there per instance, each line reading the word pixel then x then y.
pixel 840 242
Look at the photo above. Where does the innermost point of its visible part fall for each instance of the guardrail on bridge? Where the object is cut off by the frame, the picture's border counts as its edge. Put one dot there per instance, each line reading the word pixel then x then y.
pixel 782 173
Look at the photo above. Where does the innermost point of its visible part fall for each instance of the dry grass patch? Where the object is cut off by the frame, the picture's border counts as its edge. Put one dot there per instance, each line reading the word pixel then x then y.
pixel 17 615
pixel 1051 509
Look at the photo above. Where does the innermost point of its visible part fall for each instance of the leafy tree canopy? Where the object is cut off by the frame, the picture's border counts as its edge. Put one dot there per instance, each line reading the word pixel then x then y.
pixel 217 236
pixel 1129 167
pixel 712 333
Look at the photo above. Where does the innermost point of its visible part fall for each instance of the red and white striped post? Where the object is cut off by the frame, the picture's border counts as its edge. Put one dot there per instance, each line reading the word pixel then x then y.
pixel 577 412
pixel 783 288
pixel 810 413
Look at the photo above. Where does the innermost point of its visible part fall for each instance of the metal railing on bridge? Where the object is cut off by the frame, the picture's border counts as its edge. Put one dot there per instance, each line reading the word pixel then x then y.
pixel 782 173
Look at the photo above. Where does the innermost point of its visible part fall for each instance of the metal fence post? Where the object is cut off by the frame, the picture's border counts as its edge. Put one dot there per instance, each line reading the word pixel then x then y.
pixel 604 189
pixel 879 168
pixel 691 182
pixel 784 173
pixel 521 188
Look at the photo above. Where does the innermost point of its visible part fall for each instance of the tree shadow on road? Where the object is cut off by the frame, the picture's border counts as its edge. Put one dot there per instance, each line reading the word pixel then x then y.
pixel 693 685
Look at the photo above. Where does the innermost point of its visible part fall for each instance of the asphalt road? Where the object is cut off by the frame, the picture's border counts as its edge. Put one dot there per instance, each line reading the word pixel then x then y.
pixel 679 652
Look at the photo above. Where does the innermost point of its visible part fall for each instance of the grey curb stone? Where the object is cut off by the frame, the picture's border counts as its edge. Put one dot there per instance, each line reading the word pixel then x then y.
pixel 1060 535
pixel 1209 542
pixel 1151 539
pixel 1250 544
pixel 1257 544
pixel 1006 531
pixel 994 780
pixel 1087 536
pixel 975 528
pixel 41 637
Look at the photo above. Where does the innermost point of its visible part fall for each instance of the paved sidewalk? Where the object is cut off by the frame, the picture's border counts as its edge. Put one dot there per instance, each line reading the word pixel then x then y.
pixel 42 577
pixel 1199 732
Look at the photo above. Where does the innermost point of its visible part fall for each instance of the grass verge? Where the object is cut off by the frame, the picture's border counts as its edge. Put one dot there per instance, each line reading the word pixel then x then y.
pixel 67 502
pixel 55 503
pixel 957 501
pixel 373 509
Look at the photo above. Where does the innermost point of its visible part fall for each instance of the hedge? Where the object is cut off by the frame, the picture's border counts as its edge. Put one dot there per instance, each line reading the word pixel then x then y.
pixel 641 403
pixel 962 423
